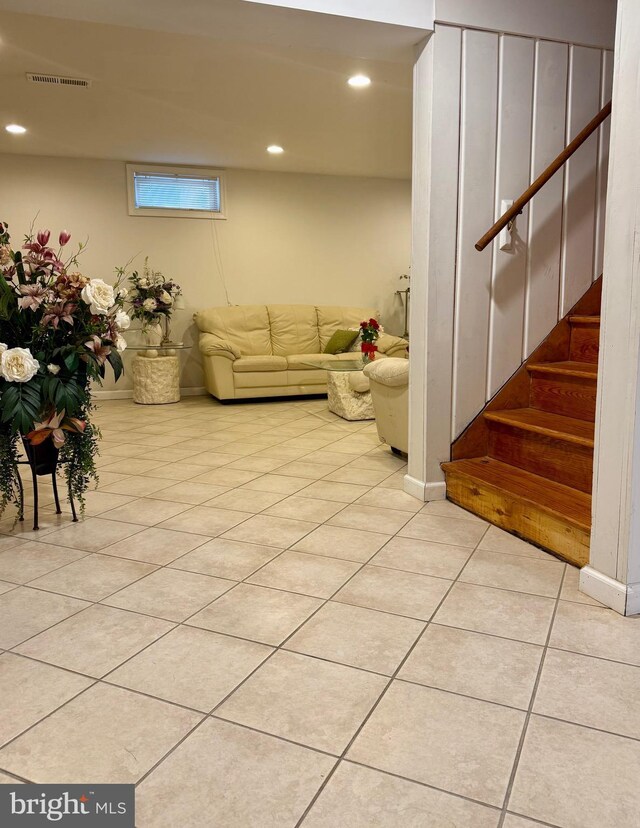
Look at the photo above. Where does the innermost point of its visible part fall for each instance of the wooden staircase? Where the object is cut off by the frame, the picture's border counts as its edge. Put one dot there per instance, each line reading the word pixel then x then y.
pixel 526 462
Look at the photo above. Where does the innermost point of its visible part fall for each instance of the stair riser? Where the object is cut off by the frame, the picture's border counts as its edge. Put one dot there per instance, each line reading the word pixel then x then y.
pixel 570 396
pixel 568 463
pixel 520 517
pixel 585 342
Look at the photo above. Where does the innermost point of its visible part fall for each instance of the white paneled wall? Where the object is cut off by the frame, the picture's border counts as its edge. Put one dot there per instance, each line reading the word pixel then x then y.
pixel 520 100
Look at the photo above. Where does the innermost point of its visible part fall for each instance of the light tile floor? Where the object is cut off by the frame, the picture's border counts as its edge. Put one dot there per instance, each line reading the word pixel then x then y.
pixel 256 625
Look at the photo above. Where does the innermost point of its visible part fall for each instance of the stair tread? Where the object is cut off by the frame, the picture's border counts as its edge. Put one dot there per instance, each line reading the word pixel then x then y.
pixel 570 504
pixel 584 320
pixel 546 423
pixel 586 370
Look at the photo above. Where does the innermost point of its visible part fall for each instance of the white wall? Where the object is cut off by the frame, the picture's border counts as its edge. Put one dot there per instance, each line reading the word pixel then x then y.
pixel 613 574
pixel 585 22
pixel 520 102
pixel 415 13
pixel 495 109
pixel 289 238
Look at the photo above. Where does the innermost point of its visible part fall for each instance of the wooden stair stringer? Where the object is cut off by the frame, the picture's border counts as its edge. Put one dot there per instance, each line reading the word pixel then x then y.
pixel 525 462
pixel 474 440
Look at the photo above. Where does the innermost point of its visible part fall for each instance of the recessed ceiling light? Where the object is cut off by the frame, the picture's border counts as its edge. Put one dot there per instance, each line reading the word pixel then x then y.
pixel 359 81
pixel 275 149
pixel 16 129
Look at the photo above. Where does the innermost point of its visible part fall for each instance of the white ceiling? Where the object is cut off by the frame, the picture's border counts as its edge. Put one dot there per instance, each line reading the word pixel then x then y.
pixel 212 83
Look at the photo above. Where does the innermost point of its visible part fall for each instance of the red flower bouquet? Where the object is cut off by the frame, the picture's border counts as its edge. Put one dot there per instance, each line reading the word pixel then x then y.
pixel 369 333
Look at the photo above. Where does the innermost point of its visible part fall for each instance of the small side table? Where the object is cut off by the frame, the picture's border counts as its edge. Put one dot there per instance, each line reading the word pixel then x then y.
pixel 156 374
pixel 344 395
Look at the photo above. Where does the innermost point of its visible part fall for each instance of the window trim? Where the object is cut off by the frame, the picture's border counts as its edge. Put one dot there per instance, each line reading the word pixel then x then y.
pixel 168 212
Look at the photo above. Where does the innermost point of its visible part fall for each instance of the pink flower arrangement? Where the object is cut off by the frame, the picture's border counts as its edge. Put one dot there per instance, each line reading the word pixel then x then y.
pixel 58 331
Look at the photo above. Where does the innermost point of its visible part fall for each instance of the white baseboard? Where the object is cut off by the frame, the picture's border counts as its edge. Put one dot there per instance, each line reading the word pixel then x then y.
pixel 113 395
pixel 435 491
pixel 424 491
pixel 195 391
pixel 623 598
pixel 414 487
pixel 127 394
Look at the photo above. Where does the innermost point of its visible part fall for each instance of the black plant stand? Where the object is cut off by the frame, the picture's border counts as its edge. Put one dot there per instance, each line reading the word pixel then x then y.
pixel 43 461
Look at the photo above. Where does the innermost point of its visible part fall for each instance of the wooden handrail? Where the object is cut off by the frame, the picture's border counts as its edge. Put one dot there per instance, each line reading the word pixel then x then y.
pixel 539 183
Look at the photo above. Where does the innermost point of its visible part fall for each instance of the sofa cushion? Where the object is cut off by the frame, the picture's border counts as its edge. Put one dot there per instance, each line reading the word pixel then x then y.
pixel 310 362
pixel 245 326
pixel 294 329
pixel 248 364
pixel 333 318
pixel 262 379
pixel 340 342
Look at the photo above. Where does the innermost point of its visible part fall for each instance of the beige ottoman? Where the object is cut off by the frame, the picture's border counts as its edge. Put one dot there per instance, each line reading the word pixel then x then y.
pixel 156 380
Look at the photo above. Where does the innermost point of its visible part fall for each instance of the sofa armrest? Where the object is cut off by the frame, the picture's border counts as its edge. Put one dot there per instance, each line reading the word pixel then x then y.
pixel 391 345
pixel 212 345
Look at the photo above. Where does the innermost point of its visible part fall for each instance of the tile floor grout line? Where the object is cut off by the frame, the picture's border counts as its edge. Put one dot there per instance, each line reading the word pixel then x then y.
pixel 212 712
pixel 55 569
pixel 94 682
pixel 344 434
pixel 529 712
pixel 431 787
pixel 100 680
pixel 378 701
pixel 105 678
pixel 15 776
pixel 535 821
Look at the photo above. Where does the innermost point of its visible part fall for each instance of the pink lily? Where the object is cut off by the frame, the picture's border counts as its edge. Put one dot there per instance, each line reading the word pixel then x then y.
pixel 33 296
pixel 99 350
pixel 55 427
pixel 59 313
pixel 43 237
pixel 64 237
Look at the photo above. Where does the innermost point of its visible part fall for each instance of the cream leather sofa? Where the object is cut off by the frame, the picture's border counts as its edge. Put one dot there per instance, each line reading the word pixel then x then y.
pixel 389 386
pixel 253 351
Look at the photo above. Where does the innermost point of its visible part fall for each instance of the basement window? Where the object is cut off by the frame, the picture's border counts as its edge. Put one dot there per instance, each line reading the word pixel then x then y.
pixel 175 192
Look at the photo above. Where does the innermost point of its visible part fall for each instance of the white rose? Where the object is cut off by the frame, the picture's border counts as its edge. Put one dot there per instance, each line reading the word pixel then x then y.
pixel 122 320
pixel 166 298
pixel 150 304
pixel 3 347
pixel 99 296
pixel 143 282
pixel 18 365
pixel 53 369
pixel 120 343
pixel 122 292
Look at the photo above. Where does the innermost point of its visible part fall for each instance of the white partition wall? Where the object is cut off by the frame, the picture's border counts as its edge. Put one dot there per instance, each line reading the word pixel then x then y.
pixel 501 106
pixel 613 574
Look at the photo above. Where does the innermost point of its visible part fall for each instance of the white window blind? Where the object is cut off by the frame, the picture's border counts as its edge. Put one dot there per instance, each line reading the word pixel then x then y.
pixel 177 192
pixel 188 192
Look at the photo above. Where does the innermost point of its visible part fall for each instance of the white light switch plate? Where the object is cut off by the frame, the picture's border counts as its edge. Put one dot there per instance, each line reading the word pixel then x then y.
pixel 505 239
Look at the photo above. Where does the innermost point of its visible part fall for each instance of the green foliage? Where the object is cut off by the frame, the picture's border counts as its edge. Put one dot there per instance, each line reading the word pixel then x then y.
pixel 21 404
pixel 9 488
pixel 78 455
pixel 115 361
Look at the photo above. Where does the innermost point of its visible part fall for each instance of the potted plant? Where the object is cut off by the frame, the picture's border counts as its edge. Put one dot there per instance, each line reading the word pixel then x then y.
pixel 369 333
pixel 152 299
pixel 58 331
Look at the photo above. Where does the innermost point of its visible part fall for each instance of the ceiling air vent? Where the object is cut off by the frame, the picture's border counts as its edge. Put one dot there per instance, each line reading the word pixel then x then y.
pixel 58 80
